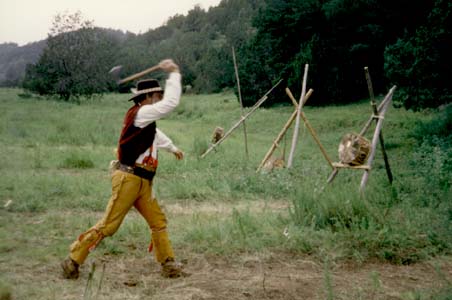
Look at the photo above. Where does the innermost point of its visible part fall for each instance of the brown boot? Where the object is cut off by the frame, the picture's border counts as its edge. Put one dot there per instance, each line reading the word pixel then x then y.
pixel 172 269
pixel 70 268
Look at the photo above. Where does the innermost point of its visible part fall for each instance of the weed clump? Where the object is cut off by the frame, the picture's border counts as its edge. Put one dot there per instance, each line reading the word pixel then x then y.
pixel 77 162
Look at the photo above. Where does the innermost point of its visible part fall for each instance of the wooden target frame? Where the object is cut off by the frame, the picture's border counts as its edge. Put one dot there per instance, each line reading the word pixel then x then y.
pixel 378 116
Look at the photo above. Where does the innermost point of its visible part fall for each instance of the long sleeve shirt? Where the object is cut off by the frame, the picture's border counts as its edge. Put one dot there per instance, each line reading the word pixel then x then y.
pixel 151 113
pixel 150 157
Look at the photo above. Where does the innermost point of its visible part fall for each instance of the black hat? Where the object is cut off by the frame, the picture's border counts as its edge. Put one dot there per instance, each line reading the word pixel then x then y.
pixel 144 87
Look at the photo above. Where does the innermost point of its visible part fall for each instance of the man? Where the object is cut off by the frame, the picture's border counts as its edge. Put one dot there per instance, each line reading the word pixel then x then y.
pixel 132 179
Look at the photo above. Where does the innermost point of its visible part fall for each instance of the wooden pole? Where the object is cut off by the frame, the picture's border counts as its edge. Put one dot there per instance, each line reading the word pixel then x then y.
pixel 243 118
pixel 297 120
pixel 282 133
pixel 380 106
pixel 332 175
pixel 240 99
pixel 375 111
pixel 374 144
pixel 313 133
pixel 294 102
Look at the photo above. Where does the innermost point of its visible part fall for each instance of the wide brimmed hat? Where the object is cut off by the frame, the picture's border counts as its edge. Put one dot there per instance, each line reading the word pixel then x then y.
pixel 144 87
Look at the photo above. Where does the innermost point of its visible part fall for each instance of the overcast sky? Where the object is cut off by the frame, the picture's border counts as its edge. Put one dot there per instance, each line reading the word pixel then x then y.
pixel 25 21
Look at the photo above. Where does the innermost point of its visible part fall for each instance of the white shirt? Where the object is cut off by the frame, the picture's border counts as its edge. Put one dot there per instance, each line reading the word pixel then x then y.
pixel 151 113
pixel 161 141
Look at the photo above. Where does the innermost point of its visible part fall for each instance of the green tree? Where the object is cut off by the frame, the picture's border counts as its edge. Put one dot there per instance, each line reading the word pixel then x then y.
pixel 75 62
pixel 282 29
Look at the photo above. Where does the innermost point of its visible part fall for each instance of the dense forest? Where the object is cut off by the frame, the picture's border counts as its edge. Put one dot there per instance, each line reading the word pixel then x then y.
pixel 404 43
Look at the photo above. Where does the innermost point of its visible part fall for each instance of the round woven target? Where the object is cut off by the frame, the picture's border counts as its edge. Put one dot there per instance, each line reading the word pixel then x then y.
pixel 354 149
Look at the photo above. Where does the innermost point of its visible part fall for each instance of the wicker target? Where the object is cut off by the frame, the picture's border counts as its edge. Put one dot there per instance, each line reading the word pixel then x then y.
pixel 217 134
pixel 354 149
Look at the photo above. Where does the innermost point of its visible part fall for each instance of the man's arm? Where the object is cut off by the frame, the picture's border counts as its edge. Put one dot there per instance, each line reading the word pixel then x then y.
pixel 161 141
pixel 171 97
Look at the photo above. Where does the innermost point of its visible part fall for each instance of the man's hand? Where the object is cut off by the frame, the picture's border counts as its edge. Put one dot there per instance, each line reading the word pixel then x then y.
pixel 168 65
pixel 179 155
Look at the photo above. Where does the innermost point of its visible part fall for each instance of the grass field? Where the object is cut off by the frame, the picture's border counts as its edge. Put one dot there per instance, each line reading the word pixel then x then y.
pixel 244 235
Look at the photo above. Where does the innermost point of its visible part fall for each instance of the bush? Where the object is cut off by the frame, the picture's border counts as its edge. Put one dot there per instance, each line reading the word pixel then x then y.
pixel 76 162
pixel 439 128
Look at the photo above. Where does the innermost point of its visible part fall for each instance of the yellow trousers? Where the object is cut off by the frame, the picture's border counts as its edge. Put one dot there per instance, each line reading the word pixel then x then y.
pixel 127 190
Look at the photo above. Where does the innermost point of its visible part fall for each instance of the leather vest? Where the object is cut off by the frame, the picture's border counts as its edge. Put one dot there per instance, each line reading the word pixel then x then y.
pixel 134 140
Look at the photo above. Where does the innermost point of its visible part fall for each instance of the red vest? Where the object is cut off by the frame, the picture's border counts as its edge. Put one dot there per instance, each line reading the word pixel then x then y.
pixel 134 140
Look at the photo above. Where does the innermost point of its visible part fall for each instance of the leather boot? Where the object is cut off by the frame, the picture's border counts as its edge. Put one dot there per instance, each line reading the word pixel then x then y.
pixel 70 268
pixel 172 269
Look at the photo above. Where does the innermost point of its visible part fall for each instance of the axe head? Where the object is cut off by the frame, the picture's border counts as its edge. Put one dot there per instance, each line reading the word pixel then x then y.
pixel 115 73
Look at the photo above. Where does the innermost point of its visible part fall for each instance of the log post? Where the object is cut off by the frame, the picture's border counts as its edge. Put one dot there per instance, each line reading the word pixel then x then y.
pixel 375 141
pixel 297 120
pixel 240 99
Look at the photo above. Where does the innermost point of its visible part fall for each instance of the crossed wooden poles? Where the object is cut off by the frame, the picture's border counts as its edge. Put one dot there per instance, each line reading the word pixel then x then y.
pixel 298 113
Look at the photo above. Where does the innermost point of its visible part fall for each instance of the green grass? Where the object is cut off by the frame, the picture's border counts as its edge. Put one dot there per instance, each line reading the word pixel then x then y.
pixel 55 169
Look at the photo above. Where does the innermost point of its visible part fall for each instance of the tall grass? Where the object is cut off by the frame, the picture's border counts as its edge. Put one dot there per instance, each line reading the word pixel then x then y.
pixel 56 158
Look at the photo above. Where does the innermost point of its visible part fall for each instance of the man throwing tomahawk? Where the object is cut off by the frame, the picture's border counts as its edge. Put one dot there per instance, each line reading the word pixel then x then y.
pixel 135 169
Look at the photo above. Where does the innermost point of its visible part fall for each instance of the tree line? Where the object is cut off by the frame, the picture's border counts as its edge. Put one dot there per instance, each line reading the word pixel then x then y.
pixel 404 43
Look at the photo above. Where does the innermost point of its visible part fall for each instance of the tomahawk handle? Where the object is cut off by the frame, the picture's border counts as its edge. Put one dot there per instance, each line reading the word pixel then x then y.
pixel 140 74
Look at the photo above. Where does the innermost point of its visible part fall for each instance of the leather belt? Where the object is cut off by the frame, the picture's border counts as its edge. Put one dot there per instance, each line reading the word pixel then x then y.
pixel 143 173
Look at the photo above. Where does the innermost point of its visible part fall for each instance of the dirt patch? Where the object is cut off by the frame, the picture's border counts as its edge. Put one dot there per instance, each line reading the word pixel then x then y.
pixel 224 208
pixel 256 277
pixel 131 274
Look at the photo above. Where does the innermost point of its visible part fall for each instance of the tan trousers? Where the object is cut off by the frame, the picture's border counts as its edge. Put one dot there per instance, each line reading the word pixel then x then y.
pixel 127 190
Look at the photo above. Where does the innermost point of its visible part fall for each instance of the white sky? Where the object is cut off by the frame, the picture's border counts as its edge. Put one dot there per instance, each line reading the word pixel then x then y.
pixel 25 21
